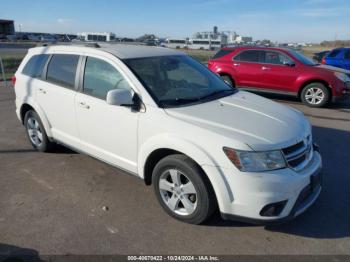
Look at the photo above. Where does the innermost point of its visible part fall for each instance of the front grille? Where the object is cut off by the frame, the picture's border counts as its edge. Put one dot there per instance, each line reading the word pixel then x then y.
pixel 299 155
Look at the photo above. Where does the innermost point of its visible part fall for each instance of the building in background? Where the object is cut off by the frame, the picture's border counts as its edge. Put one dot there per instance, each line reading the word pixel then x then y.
pixel 7 27
pixel 98 37
pixel 225 38
pixel 243 39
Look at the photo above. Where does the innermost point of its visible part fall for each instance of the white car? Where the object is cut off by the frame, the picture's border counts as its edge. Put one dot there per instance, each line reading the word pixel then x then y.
pixel 164 117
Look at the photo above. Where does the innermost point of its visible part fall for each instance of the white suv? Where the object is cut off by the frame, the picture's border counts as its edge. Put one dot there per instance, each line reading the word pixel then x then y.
pixel 164 117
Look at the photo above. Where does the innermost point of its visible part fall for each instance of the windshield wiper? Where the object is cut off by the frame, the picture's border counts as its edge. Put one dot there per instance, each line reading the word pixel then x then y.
pixel 185 101
pixel 217 93
pixel 178 101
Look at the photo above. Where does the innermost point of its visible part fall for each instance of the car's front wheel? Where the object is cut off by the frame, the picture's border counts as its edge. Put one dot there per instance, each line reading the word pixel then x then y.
pixel 183 190
pixel 315 95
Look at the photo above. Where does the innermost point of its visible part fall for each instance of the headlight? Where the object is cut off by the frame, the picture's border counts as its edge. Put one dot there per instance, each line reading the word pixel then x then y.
pixel 341 76
pixel 250 161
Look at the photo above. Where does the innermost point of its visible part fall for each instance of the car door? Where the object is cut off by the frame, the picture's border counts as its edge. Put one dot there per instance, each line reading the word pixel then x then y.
pixel 106 131
pixel 279 71
pixel 56 96
pixel 247 69
pixel 347 60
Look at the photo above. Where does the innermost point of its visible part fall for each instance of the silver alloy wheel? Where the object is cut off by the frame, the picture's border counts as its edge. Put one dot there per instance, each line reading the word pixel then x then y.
pixel 314 95
pixel 34 131
pixel 178 192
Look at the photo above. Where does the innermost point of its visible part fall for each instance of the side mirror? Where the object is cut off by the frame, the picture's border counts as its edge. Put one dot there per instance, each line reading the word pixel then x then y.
pixel 120 97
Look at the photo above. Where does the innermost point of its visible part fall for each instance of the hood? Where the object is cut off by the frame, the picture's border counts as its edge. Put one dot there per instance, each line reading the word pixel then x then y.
pixel 334 69
pixel 247 118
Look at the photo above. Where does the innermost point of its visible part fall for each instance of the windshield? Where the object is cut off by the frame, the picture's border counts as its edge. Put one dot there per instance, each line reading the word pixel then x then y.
pixel 302 58
pixel 178 80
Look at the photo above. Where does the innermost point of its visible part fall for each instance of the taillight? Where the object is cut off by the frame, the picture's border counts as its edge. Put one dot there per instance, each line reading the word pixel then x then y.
pixel 323 62
pixel 13 80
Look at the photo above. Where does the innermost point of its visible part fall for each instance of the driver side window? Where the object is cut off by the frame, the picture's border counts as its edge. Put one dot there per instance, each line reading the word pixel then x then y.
pixel 276 58
pixel 101 77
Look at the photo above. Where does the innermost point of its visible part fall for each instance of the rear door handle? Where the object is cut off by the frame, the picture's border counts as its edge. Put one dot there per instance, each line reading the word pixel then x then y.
pixel 265 68
pixel 83 105
pixel 42 90
pixel 236 64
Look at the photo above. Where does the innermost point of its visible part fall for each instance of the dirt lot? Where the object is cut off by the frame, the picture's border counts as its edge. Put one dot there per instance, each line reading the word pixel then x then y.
pixel 53 203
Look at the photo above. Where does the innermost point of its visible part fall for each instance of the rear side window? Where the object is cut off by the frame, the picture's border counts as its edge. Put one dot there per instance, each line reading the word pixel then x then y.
pixel 35 65
pixel 249 56
pixel 347 55
pixel 334 53
pixel 62 70
pixel 222 53
pixel 101 77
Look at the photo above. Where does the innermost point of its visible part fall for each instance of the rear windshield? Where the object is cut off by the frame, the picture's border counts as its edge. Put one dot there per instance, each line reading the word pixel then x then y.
pixel 222 53
pixel 35 65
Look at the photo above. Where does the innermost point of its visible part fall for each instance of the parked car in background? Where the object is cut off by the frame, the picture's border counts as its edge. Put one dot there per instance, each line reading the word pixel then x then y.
pixel 33 38
pixel 47 38
pixel 281 70
pixel 162 116
pixel 11 38
pixel 339 57
pixel 320 55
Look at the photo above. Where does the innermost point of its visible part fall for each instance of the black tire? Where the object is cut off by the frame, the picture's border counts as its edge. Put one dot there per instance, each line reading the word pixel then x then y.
pixel 45 144
pixel 307 100
pixel 205 200
pixel 228 80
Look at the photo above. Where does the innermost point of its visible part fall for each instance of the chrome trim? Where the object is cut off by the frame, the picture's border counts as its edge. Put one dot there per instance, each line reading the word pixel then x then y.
pixel 296 154
pixel 307 150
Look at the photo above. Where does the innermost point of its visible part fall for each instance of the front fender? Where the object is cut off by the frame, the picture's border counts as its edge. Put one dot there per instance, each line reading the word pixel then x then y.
pixel 195 152
pixel 168 141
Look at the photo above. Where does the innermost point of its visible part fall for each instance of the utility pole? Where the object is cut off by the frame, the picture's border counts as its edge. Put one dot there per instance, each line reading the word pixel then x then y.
pixel 3 72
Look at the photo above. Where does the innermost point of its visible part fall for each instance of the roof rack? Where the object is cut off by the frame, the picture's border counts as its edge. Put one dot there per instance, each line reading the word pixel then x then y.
pixel 95 45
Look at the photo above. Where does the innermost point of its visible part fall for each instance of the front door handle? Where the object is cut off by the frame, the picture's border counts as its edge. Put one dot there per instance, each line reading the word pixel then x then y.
pixel 42 90
pixel 236 64
pixel 83 105
pixel 265 68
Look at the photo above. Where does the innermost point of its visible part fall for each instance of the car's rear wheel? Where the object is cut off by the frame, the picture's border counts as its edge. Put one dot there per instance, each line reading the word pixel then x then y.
pixel 228 80
pixel 315 95
pixel 36 132
pixel 183 190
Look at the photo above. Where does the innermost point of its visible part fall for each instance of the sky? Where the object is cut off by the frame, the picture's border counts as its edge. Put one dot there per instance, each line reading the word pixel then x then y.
pixel 277 20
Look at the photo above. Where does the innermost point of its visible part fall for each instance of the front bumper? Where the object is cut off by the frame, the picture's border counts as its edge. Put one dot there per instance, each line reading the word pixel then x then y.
pixel 252 192
pixel 305 199
pixel 345 92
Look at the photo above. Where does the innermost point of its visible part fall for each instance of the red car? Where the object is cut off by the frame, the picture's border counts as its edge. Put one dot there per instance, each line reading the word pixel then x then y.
pixel 281 70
